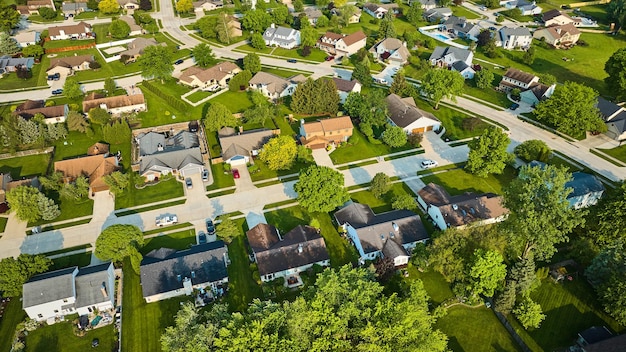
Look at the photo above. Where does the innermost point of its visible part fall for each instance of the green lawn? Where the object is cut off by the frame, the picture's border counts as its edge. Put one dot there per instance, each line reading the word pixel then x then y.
pixel 70 209
pixel 26 166
pixel 316 54
pixel 452 120
pixel 60 337
pixel 242 287
pixel 384 204
pixel 283 73
pixel 266 173
pixel 490 94
pixel 248 47
pixel 13 315
pixel 461 11
pixel 199 95
pixel 80 260
pixel 38 18
pixel 55 44
pixel 164 190
pixel 220 179
pixel 459 181
pixel 10 81
pixel 618 153
pixel 177 240
pixel 596 12
pixel 359 148
pixel 102 32
pixel 3 223
pixel 234 101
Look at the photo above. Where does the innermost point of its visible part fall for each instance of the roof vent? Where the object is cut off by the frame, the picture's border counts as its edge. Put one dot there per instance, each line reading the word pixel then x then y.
pixel 179 278
pixel 193 274
pixel 392 235
pixel 300 248
pixel 455 207
pixel 382 237
pixel 396 228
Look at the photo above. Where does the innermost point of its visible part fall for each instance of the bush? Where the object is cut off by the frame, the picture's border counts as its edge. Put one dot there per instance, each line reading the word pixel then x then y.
pixel 533 150
pixel 171 100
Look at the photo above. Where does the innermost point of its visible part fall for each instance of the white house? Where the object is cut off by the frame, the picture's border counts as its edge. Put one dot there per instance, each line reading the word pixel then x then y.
pixel 514 38
pixel 167 273
pixel 462 210
pixel 283 37
pixel 392 234
pixel 342 45
pixel 273 86
pixel 81 30
pixel 375 10
pixel 162 155
pixel 454 58
pixel 425 4
pixel 117 105
pixel 391 50
pixel 67 66
pixel 586 190
pixel 288 255
pixel 219 74
pixel 403 112
pixel 558 18
pixel 461 28
pixel 25 39
pixel 206 5
pixel 527 8
pixel 437 14
pixel 614 117
pixel 52 295
pixel 345 87
pixel 514 78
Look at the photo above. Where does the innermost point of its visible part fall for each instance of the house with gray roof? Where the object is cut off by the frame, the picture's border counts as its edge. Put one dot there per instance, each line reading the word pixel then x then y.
pixel 52 295
pixel 372 234
pixel 375 10
pixel 283 37
pixel 586 190
pixel 454 58
pixel 614 117
pixel 161 154
pixel 391 50
pixel 273 86
pixel 514 38
pixel 287 255
pixel 526 7
pixel 311 13
pixel 71 8
pixel 10 64
pixel 239 149
pixel 167 273
pixel 461 28
pixel 404 113
pixel 437 14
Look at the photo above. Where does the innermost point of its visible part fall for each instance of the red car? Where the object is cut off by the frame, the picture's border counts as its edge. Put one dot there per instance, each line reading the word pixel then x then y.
pixel 328 58
pixel 235 173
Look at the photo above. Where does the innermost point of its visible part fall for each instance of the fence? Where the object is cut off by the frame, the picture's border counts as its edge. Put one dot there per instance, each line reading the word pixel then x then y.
pixel 70 48
pixel 26 153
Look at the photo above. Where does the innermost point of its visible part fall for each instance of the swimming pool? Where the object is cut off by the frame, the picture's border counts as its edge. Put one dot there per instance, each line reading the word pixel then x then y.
pixel 441 37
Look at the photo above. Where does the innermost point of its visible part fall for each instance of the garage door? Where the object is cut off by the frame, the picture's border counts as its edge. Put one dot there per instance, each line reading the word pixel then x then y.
pixel 418 130
pixel 429 128
pixel 238 160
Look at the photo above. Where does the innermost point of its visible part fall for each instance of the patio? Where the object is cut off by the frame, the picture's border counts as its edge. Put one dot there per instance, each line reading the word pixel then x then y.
pixel 293 281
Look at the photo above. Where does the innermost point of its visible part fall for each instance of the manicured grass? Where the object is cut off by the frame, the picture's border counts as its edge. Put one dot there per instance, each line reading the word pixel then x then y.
pixel 618 153
pixel 177 240
pixel 70 249
pixel 459 181
pixel 384 204
pixel 60 337
pixel 520 18
pixel 10 81
pixel 25 166
pixel 359 148
pixel 70 209
pixel 38 18
pixel 284 73
pixel 242 287
pixel 80 260
pixel 220 179
pixel 490 94
pixel 596 12
pixel 163 190
pixel 316 54
pixel 452 120
pixel 266 173
pixel 102 33
pixel 13 315
pixel 461 11
pixel 248 47
pixel 3 223
pixel 55 44
pixel 150 208
pixel 199 95
pixel 234 101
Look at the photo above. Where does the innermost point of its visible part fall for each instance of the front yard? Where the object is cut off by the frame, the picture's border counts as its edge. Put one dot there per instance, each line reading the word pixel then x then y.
pixel 164 190
pixel 384 204
pixel 13 315
pixel 618 153
pixel 26 166
pixel 459 181
pixel 359 148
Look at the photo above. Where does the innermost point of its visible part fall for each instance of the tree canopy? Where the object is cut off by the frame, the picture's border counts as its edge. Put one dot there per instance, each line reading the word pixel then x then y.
pixel 118 242
pixel 156 62
pixel 256 20
pixel 31 205
pixel 252 63
pixel 439 84
pixel 321 189
pixel 533 149
pixel 119 29
pixel 484 78
pixel 615 67
pixel 203 55
pixel 184 6
pixel 9 17
pixel 487 272
pixel 279 153
pixel 109 6
pixel 8 44
pixel 71 88
pixel 316 97
pixel 380 185
pixel 227 229
pixel 219 116
pixel 15 272
pixel 488 153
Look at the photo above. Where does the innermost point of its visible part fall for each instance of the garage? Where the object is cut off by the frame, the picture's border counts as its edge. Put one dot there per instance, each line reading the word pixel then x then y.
pixel 238 160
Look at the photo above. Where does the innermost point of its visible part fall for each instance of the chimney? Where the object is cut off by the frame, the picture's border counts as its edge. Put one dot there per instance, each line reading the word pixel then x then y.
pixel 272 25
pixel 396 228
pixel 300 248
pixel 103 289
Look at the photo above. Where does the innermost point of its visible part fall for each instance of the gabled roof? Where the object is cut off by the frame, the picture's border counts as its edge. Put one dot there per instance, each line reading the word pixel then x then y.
pixel 354 37
pixel 595 334
pixel 519 76
pixel 215 73
pixel 344 85
pixel 456 54
pixel 94 167
pixel 372 7
pixel 328 125
pixel 243 144
pixel 90 283
pixel 459 24
pixel 539 90
pixel 262 237
pixel 30 104
pixel 78 28
pixel 332 36
pixel 24 37
pixel 613 344
pixel 439 12
pixel 583 183
pixel 70 61
pixel 548 15
pixel 154 142
pixel 506 32
pixel 404 112
pixel 118 101
pixel 49 287
pixel 607 108
pixel 275 84
pixel 47 112
pixel 557 32
pixel 176 159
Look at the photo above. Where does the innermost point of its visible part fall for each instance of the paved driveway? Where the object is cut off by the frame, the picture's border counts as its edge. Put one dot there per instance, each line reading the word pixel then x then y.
pixel 103 206
pixel 322 158
pixel 197 194
pixel 244 182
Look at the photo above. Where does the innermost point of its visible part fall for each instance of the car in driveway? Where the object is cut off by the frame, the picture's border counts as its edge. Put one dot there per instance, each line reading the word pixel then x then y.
pixel 428 163
pixel 493 29
pixel 201 237
pixel 57 91
pixel 178 62
pixel 205 175
pixel 329 58
pixel 210 227
pixel 235 173
pixel 188 183
pixel 514 106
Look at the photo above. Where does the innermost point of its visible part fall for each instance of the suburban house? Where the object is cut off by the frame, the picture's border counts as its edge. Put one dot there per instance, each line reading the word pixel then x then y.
pixel 557 18
pixel 129 5
pixel 287 38
pixel 135 29
pixel 514 78
pixel 233 24
pixel 81 30
pixel 239 149
pixel 219 74
pixel 393 234
pixel 375 10
pixel 404 113
pixel 206 5
pixel 587 190
pixel 425 4
pixel 342 45
pixel 454 58
pixel 54 294
pixel 461 28
pixel 311 13
pixel 536 93
pixel 7 183
pixel 94 167
pixel 25 39
pixel 355 18
pixel 9 64
pixel 602 344
pixel 514 38
pixel 32 6
pixel 51 114
pixel 437 14
pixel 117 105
pixel 71 9
pixel 345 87
pixel 135 48
pixel 559 36
pixel 168 153
pixel 527 8
pixel 391 50
pixel 321 133
pixel 614 117
pixel 461 210
pixel 273 86
pixel 167 273
pixel 67 66
pixel 593 335
pixel 287 255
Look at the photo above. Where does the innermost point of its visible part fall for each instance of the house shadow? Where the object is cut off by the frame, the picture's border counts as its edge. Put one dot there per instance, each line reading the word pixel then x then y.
pixel 128 219
pixel 288 189
pixel 218 208
pixel 454 345
pixel 43 242
pixel 360 175
pixel 48 342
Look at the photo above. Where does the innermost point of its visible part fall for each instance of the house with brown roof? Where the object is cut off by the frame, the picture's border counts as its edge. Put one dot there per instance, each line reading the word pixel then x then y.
pixel 391 50
pixel 98 148
pixel 206 5
pixel 239 149
pixel 135 29
pixel 514 78
pixel 558 18
pixel 342 45
pixel 94 167
pixel 404 113
pixel 51 114
pixel 219 74
pixel 468 209
pixel 288 255
pixel 129 5
pixel 345 87
pixel 136 47
pixel 81 30
pixel 32 6
pixel 321 133
pixel 273 86
pixel 562 36
pixel 117 105
pixel 67 66
pixel 7 183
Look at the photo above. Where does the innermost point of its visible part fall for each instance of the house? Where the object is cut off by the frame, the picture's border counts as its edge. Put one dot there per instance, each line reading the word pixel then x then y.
pixel 404 113
pixel 462 210
pixel 174 153
pixel 287 38
pixel 53 295
pixel 94 167
pixel 324 132
pixel 393 234
pixel 614 117
pixel 345 87
pixel 375 10
pixel 437 14
pixel 32 6
pixel 51 114
pixel 273 86
pixel 117 105
pixel 135 48
pixel 454 58
pixel 167 273
pixel 527 8
pixel 514 38
pixel 67 66
pixel 514 78
pixel 587 190
pixel 206 5
pixel 611 344
pixel 311 13
pixel 288 255
pixel 219 74
pixel 25 39
pixel 355 18
pixel 7 183
pixel 536 93
pixel 559 36
pixel 81 30
pixel 461 28
pixel 135 29
pixel 593 335
pixel 71 9
pixel 426 4
pixel 391 50
pixel 238 149
pixel 342 45
pixel 558 18
pixel 10 64
pixel 129 5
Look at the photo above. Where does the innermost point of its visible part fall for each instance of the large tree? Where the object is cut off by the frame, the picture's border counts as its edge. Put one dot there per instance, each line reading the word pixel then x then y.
pixel 400 86
pixel 227 229
pixel 414 14
pixel 616 13
pixel 240 81
pixel 15 272
pixel 31 205
pixel 533 149
pixel 529 313
pixel 321 189
pixel 108 6
pixel 487 272
pixel 257 41
pixel 615 67
pixel 488 153
pixel 76 122
pixel 183 6
pixel 71 88
pixel 380 185
pixel 279 153
pixel 438 84
pixel 252 63
pixel 387 29
pixel 156 62
pixel 362 74
pixel 8 44
pixel 572 110
pixel 484 78
pixel 394 136
pixel 223 28
pixel 203 55
pixel 219 116
pixel 119 29
pixel 316 97
pixel 110 86
pixel 539 213
pixel 256 20
pixel 33 51
pixel 118 242
pixel 117 182
pixel 9 17
pixel 609 216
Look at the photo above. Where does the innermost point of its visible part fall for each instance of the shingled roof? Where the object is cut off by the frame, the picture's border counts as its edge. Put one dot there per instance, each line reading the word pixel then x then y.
pixel 519 76
pixel 114 102
pixel 70 61
pixel 404 112
pixel 94 167
pixel 49 287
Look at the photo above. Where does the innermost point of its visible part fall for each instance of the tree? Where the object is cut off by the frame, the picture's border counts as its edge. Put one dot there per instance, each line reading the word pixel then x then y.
pixel 615 67
pixel 529 56
pixel 240 81
pixel 490 49
pixel 533 149
pixel 610 224
pixel 184 6
pixel 256 20
pixel 529 314
pixel 414 14
pixel 258 114
pixel 439 84
pixel 156 62
pixel 223 28
pixel 316 97
pixel 47 208
pixel 145 5
pixel 55 131
pixel 92 4
pixel 227 229
pixel 118 242
pixel 322 22
pixel 33 51
pixel 613 297
pixel 394 136
pixel 252 63
pixel 117 182
pixel 203 55
pixel 487 272
pixel 305 155
pixel 15 272
pixel 208 26
pixel 370 107
pixel 483 37
pixel 9 17
pixel 387 29
pixel 523 272
pixel 116 132
pixel 484 78
pixel 99 116
pixel 362 74
pixel 446 254
pixel 71 88
pixel 308 36
pixel 385 269
pixel 539 212
pixel 257 41
pixel 77 190
pixel 279 153
pixel 119 29
pixel 110 86
pixel 404 201
pixel 298 6
pixel 8 44
pixel 31 205
pixel 108 6
pixel 321 189
pixel 616 13
pixel 23 73
pixel 218 116
pixel 547 79
pixel 280 14
pixel 400 86
pixel 53 182
pixel 506 300
pixel 488 153
pixel 380 185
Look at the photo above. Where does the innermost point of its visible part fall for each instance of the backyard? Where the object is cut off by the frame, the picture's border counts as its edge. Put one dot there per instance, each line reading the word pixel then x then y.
pixel 384 204
pixel 13 315
pixel 359 148
pixel 459 181
pixel 60 337
pixel 176 240
pixel 26 166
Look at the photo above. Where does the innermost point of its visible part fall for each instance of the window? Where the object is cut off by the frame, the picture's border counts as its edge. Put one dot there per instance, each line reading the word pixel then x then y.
pixel 39 316
pixel 56 310
pixel 65 301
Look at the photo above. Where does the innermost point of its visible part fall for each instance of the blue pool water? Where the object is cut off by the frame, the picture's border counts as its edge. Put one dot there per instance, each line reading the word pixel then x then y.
pixel 441 37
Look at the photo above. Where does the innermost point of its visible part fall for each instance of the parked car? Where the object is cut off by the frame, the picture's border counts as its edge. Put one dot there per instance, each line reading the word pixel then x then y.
pixel 210 227
pixel 205 175
pixel 329 58
pixel 493 28
pixel 201 237
pixel 212 88
pixel 178 62
pixel 188 183
pixel 95 343
pixel 514 106
pixel 54 77
pixel 57 91
pixel 293 61
pixel 235 173
pixel 166 220
pixel 427 164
